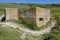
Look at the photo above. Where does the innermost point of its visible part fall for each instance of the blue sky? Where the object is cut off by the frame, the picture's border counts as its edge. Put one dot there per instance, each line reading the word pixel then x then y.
pixel 32 1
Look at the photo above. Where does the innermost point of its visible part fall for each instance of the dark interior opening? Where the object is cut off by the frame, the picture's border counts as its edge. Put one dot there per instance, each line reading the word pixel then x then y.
pixel 40 19
pixel 3 19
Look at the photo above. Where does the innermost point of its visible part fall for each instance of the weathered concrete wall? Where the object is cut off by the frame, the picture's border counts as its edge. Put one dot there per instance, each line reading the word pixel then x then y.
pixel 39 16
pixel 11 13
pixel 42 16
pixel 26 13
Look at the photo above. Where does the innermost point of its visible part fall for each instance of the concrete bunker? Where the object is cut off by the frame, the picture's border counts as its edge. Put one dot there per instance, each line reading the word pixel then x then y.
pixel 40 16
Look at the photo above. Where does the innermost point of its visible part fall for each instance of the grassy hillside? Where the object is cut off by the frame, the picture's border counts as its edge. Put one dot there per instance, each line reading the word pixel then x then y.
pixel 13 34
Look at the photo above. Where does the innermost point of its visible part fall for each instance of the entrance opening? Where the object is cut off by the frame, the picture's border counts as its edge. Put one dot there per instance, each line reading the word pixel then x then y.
pixel 40 19
pixel 3 19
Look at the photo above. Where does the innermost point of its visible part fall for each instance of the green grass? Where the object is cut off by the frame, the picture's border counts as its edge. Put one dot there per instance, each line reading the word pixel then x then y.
pixel 2 6
pixel 1 12
pixel 31 37
pixel 7 33
pixel 31 25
